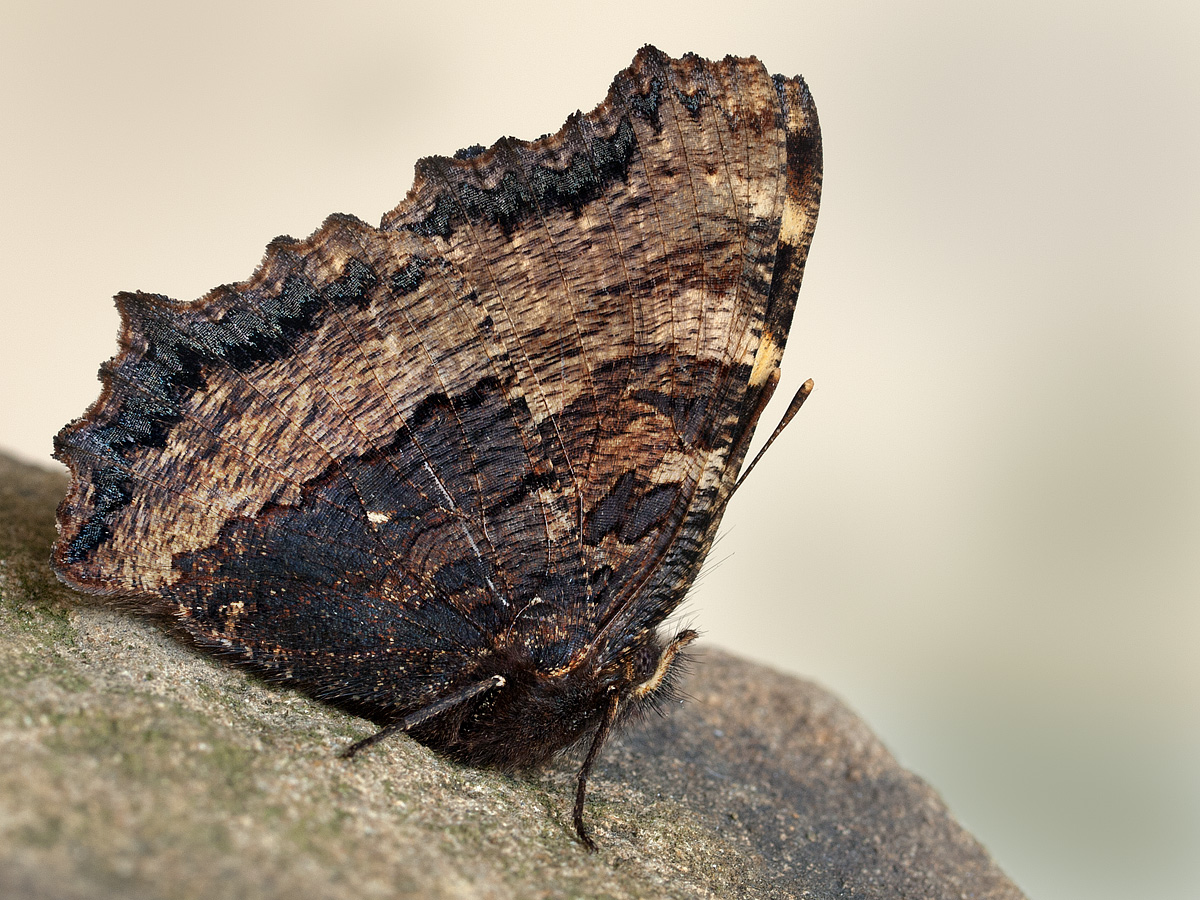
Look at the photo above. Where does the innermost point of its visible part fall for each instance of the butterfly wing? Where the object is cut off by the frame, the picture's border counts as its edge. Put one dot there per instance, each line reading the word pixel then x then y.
pixel 640 269
pixel 510 414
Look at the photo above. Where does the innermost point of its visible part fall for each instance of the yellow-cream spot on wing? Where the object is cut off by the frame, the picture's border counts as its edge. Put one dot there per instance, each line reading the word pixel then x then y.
pixel 766 360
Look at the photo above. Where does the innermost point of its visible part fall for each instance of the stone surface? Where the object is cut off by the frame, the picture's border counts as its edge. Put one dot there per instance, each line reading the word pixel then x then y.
pixel 135 768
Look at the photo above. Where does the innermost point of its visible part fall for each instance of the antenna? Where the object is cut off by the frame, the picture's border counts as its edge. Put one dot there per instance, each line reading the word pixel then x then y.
pixel 793 408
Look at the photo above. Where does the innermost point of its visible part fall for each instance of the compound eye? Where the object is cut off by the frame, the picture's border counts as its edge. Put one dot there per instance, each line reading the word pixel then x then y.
pixel 644 663
pixel 656 669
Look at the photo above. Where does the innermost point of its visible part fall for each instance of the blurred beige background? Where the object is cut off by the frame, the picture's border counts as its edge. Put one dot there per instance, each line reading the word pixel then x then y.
pixel 981 531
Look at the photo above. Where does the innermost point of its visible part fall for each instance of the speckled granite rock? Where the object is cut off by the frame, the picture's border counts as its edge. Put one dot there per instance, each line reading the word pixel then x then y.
pixel 135 768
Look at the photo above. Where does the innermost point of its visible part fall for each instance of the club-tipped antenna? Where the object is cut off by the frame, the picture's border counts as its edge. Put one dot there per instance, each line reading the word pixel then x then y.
pixel 793 408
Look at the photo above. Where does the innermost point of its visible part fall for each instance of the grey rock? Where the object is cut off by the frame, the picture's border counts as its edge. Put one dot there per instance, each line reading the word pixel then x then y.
pixel 135 768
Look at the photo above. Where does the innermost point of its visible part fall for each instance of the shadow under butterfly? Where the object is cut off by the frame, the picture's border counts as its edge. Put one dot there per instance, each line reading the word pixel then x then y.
pixel 453 473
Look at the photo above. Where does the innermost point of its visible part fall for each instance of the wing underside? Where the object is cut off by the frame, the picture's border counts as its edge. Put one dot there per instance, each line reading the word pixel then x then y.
pixel 513 412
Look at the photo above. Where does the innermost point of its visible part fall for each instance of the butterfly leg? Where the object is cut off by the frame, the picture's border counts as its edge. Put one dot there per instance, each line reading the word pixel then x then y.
pixel 606 724
pixel 425 713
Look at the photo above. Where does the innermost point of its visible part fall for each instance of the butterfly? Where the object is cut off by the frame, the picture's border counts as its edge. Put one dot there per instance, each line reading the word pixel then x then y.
pixel 453 473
